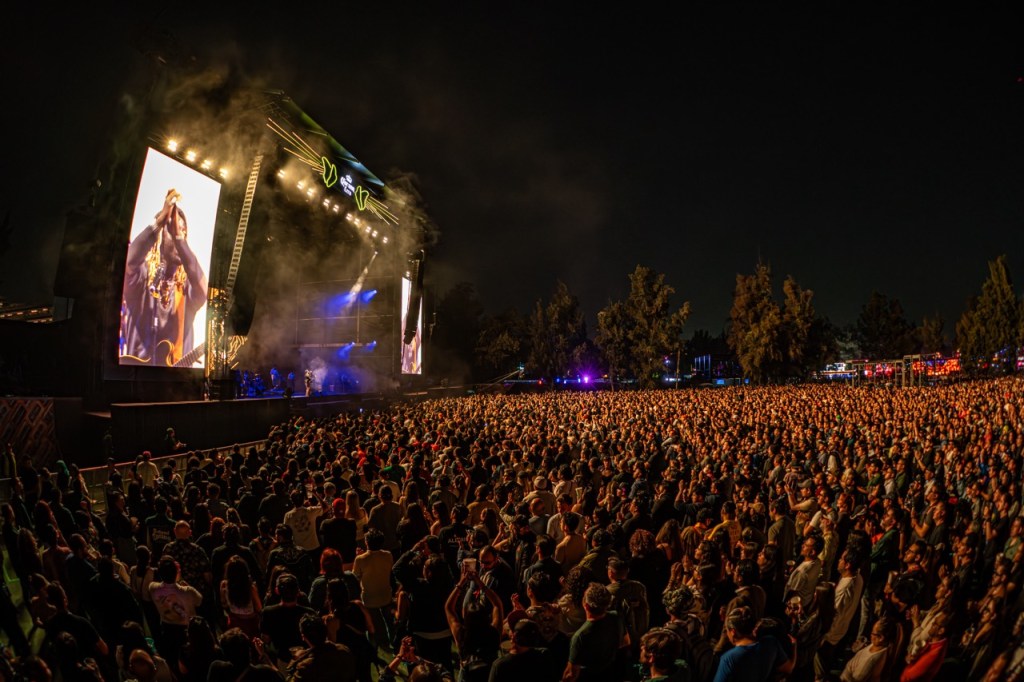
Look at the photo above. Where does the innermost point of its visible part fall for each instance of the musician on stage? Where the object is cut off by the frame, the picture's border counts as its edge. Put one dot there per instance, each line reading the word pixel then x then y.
pixel 164 288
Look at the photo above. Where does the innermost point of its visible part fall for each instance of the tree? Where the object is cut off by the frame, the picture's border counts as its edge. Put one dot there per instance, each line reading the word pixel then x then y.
pixel 930 335
pixel 613 339
pixel 797 321
pixel 990 326
pixel 755 323
pixel 883 331
pixel 822 343
pixel 636 334
pixel 501 341
pixel 556 331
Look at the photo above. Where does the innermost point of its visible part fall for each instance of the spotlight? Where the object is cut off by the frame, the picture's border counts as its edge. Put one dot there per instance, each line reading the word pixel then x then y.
pixel 301 184
pixel 207 164
pixel 344 351
pixel 172 145
pixel 224 173
pixel 310 192
pixel 281 173
pixel 190 155
pixel 385 240
pixel 335 208
pixel 374 235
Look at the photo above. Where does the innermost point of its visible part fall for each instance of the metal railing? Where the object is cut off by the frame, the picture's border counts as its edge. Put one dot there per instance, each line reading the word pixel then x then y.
pixel 96 477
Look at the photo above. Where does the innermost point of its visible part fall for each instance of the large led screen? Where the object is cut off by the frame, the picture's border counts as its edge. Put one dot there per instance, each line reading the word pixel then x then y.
pixel 163 302
pixel 412 353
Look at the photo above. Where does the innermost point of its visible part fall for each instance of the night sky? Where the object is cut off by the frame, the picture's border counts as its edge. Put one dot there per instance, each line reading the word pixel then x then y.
pixel 853 150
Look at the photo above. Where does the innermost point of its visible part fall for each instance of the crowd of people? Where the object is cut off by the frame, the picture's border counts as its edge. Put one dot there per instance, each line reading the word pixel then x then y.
pixel 806 533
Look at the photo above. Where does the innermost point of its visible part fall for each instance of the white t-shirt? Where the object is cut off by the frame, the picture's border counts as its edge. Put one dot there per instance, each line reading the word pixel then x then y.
pixel 865 666
pixel 302 521
pixel 176 603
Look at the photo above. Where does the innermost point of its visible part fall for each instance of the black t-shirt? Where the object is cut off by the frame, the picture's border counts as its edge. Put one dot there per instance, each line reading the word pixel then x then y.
pixel 159 532
pixel 531 664
pixel 594 647
pixel 340 534
pixel 280 622
pixel 82 630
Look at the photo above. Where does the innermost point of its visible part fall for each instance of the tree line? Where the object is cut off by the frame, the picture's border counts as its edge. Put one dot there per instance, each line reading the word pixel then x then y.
pixel 641 337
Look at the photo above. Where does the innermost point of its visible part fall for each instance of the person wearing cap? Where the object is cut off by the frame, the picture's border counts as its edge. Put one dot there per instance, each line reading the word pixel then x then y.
pixel 542 491
pixel 147 470
pixel 805 507
pixel 481 502
pixel 339 532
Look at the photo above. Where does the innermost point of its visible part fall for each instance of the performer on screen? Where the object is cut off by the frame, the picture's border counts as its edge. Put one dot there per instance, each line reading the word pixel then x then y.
pixel 164 288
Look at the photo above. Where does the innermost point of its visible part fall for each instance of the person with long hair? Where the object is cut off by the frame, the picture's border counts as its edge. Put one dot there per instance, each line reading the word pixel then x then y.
pixel 349 623
pixel 54 555
pixel 354 510
pixel 410 495
pixel 570 603
pixel 240 598
pixel 332 567
pixel 29 560
pixel 475 626
pixel 421 611
pixel 413 527
pixel 140 577
pixel 133 638
pixel 442 517
pixel 771 580
pixel 649 564
pixel 198 652
pixel 490 523
pixel 669 539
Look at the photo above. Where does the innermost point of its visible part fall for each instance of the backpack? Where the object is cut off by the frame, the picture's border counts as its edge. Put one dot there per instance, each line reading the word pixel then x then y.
pixel 697 650
pixel 632 608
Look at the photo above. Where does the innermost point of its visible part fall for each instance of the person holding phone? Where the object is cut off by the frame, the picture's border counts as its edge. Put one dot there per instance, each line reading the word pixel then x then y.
pixel 418 669
pixel 475 625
